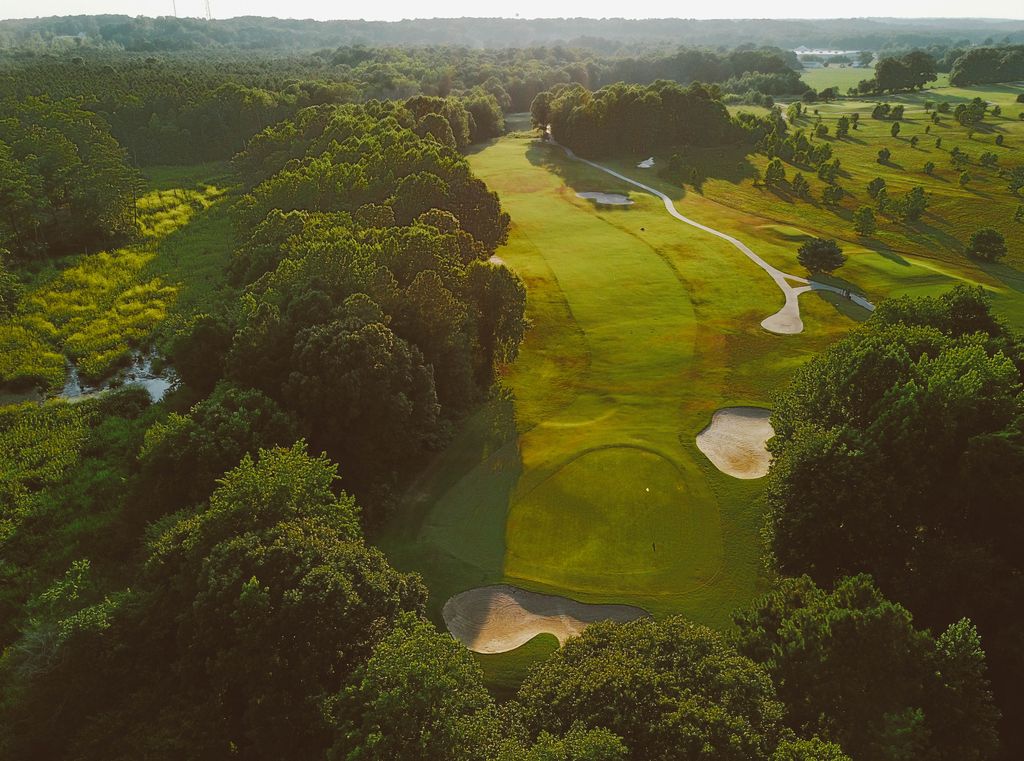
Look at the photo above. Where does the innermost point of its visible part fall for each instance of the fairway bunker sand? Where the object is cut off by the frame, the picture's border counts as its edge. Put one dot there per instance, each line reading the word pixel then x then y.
pixel 787 320
pixel 501 617
pixel 735 441
pixel 606 199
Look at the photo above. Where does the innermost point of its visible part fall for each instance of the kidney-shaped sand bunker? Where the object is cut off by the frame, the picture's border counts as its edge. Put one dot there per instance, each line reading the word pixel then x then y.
pixel 499 618
pixel 735 441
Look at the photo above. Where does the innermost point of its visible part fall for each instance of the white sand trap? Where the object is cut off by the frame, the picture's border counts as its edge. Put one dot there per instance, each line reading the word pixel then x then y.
pixel 607 199
pixel 735 441
pixel 501 617
pixel 646 163
pixel 496 260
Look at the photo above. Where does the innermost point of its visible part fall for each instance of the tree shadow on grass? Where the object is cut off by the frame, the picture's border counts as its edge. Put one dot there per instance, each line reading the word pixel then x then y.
pixel 844 306
pixel 1007 275
pixel 579 177
pixel 883 250
pixel 928 235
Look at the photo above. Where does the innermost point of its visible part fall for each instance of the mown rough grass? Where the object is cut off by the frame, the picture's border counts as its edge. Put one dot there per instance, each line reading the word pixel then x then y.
pixel 100 307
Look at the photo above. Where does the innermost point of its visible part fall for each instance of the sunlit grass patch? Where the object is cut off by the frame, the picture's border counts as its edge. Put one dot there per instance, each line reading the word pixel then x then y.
pixel 161 212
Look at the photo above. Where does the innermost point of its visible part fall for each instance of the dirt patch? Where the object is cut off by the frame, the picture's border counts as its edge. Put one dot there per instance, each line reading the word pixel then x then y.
pixel 735 441
pixel 501 617
pixel 607 199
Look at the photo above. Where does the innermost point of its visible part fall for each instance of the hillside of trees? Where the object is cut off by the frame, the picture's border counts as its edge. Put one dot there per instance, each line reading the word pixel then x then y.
pixel 607 35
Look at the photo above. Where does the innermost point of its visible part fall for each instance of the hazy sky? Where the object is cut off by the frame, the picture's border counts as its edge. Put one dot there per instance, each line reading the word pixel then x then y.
pixel 390 10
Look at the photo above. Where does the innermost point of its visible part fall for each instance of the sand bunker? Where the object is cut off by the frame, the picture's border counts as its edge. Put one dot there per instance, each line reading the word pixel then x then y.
pixel 646 163
pixel 735 441
pixel 495 259
pixel 606 199
pixel 500 618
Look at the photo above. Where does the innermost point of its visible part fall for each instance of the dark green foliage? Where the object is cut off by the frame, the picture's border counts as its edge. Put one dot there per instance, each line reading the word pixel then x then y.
pixel 875 187
pixel 851 667
pixel 864 221
pixel 639 119
pixel 814 749
pixel 987 243
pixel 373 313
pixel 250 616
pixel 801 187
pixel 64 182
pixel 832 195
pixel 884 154
pixel 775 173
pixel 669 689
pixel 988 64
pixel 900 452
pixel 820 255
pixel 911 71
pixel 184 455
pixel 419 696
pixel 10 286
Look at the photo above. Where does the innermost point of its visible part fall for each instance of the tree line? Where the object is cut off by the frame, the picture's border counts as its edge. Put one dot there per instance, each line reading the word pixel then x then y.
pixel 639 119
pixel 142 34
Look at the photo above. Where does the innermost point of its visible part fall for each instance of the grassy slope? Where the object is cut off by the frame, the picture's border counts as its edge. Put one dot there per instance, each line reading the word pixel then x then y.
pixel 641 328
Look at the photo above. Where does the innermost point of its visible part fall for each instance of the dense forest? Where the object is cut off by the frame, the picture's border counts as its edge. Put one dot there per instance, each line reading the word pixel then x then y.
pixel 181 109
pixel 196 577
pixel 608 35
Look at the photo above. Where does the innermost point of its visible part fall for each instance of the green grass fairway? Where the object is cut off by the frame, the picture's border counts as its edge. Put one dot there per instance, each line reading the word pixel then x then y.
pixel 585 480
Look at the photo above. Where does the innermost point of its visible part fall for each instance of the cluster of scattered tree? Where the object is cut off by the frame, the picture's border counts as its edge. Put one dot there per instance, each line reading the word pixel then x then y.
pixel 637 119
pixel 899 452
pixel 65 184
pixel 910 71
pixel 609 35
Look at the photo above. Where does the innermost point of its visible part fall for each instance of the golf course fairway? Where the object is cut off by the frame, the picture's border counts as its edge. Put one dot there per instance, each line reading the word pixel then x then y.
pixel 583 478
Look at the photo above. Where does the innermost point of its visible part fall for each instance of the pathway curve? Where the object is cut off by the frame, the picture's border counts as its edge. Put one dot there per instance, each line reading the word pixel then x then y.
pixel 787 320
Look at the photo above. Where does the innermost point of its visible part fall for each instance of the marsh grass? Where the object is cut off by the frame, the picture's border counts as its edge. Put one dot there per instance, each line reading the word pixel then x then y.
pixel 100 307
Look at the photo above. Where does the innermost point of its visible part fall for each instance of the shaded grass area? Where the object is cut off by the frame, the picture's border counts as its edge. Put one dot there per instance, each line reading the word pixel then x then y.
pixel 503 673
pixel 96 308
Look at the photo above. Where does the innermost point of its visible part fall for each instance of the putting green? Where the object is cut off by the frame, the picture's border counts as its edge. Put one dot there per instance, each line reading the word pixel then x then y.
pixel 614 520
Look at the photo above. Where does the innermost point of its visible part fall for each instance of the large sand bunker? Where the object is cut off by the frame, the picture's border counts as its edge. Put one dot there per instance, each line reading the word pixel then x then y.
pixel 606 199
pixel 735 441
pixel 500 618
